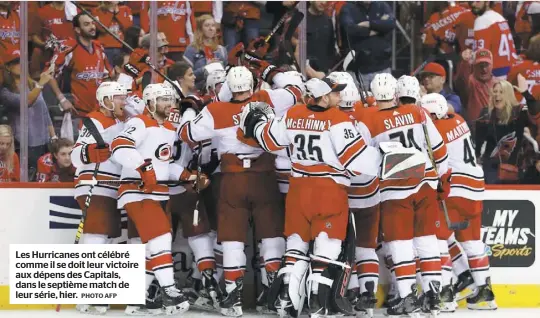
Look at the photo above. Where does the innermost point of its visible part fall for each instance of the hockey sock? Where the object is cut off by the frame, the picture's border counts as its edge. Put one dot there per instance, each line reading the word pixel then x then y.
pixel 459 260
pixel 89 238
pixel 404 265
pixel 161 261
pixel 234 263
pixel 218 254
pixel 446 263
pixel 272 250
pixel 478 261
pixel 367 263
pixel 203 251
pixel 427 249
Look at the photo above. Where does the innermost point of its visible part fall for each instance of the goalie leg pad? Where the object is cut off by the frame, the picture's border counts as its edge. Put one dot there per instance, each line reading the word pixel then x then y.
pixel 399 162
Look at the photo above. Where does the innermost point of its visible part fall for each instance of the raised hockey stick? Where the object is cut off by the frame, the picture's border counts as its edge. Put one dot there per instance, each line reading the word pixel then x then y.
pixel 147 61
pixel 454 226
pixel 279 24
pixel 94 182
pixel 358 77
pixel 92 129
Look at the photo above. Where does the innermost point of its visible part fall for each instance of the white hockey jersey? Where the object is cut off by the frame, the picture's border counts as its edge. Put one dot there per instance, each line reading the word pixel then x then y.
pixel 108 128
pixel 144 138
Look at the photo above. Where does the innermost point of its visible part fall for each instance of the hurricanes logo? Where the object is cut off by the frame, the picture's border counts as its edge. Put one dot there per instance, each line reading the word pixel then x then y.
pixel 163 152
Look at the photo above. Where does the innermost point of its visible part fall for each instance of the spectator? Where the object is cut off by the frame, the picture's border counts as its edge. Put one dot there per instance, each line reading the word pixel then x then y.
pixel 133 37
pixel 522 26
pixel 117 19
pixel 40 128
pixel 9 161
pixel 56 165
pixel 10 28
pixel 119 62
pixel 86 62
pixel 51 23
pixel 477 87
pixel 529 67
pixel 139 70
pixel 366 27
pixel 183 74
pixel 534 17
pixel 321 51
pixel 135 7
pixel 241 22
pixel 176 21
pixel 500 127
pixel 205 48
pixel 432 78
pixel 492 32
pixel 440 30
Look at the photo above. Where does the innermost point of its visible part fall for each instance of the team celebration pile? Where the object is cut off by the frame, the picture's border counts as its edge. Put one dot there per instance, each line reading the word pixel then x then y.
pixel 338 171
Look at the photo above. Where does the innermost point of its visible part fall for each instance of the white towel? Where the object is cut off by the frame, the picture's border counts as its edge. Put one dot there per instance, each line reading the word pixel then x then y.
pixel 71 10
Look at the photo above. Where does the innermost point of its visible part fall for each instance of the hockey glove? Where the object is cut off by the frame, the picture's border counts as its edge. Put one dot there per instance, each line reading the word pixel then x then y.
pixel 252 114
pixel 443 187
pixel 258 47
pixel 193 102
pixel 148 176
pixel 260 68
pixel 90 153
pixel 235 54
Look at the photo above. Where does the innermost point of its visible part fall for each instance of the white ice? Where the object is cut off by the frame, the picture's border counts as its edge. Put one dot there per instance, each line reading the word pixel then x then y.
pixel 462 313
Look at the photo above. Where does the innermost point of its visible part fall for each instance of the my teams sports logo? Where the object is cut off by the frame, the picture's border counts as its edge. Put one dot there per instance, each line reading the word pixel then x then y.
pixel 508 230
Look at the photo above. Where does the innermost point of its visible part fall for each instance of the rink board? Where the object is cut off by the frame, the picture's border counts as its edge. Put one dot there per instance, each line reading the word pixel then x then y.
pixel 509 224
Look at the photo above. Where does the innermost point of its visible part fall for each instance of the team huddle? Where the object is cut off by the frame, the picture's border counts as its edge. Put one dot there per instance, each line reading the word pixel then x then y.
pixel 332 180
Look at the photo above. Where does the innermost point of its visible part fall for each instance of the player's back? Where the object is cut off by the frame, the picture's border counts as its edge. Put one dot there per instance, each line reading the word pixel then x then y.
pixel 492 32
pixel 403 124
pixel 467 175
pixel 441 27
pixel 313 131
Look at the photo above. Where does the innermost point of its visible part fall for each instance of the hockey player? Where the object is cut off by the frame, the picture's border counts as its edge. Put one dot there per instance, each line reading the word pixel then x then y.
pixel 407 206
pixel 464 202
pixel 364 198
pixel 144 150
pixel 244 167
pixel 408 90
pixel 325 147
pixel 102 218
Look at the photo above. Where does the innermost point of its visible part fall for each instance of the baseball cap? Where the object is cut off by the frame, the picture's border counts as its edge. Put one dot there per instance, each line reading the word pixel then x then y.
pixel 320 87
pixel 483 55
pixel 434 68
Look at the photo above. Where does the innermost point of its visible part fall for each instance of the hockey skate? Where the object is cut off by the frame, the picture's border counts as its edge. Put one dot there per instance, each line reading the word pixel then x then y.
pixel 174 301
pixel 367 301
pixel 231 305
pixel 406 306
pixel 392 297
pixel 153 306
pixel 352 296
pixel 198 296
pixel 212 287
pixel 431 301
pixel 318 311
pixel 93 309
pixel 483 298
pixel 465 286
pixel 448 303
pixel 261 305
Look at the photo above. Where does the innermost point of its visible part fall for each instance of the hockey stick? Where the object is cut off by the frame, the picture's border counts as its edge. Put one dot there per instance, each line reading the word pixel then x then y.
pixel 279 24
pixel 94 182
pixel 358 78
pixel 197 187
pixel 286 42
pixel 147 61
pixel 94 132
pixel 454 226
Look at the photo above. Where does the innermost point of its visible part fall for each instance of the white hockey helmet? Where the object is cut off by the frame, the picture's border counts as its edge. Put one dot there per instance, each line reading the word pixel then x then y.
pixel 408 86
pixel 109 90
pixel 349 96
pixel 383 86
pixel 152 92
pixel 435 104
pixel 170 86
pixel 239 79
pixel 214 78
pixel 341 77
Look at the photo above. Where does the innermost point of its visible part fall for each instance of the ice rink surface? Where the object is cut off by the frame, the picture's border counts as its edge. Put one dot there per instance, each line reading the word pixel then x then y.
pixel 462 313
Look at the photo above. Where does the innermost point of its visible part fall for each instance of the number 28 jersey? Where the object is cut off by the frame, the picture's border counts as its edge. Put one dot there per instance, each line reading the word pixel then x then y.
pixel 323 142
pixel 467 176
